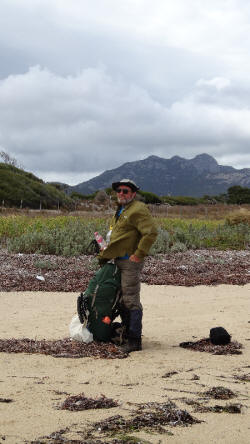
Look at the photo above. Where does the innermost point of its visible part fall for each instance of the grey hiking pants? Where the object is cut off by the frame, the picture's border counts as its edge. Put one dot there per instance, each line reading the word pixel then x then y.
pixel 130 283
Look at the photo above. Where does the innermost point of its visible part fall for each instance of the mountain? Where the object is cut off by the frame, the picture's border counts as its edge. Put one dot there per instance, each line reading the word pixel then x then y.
pixel 176 176
pixel 19 188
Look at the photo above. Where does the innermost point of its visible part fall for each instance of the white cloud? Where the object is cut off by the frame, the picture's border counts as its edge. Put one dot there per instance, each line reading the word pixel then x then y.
pixel 86 86
pixel 217 82
pixel 92 122
pixel 68 178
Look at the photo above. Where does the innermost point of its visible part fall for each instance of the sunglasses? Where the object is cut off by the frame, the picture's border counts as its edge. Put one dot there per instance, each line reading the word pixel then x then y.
pixel 120 190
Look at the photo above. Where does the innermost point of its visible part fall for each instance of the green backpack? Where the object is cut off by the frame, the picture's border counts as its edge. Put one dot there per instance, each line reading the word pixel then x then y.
pixel 98 306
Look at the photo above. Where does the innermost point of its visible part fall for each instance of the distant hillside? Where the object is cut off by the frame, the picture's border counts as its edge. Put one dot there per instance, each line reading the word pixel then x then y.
pixel 176 176
pixel 19 188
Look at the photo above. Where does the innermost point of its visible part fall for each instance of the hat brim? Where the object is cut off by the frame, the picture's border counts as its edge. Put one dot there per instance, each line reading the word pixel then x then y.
pixel 116 185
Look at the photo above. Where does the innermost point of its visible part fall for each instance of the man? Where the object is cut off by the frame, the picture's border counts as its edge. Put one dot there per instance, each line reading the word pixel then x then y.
pixel 132 232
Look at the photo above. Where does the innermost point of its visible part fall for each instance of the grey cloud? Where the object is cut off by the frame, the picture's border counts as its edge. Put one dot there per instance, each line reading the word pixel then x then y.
pixel 91 122
pixel 81 94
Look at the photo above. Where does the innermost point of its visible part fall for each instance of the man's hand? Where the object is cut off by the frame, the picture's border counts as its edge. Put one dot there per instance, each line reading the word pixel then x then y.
pixel 102 261
pixel 134 258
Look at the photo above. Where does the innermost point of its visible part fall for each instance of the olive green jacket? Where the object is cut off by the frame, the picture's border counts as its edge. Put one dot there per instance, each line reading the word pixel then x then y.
pixel 133 233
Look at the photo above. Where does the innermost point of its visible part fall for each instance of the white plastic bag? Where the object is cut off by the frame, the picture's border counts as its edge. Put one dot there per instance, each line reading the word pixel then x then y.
pixel 78 332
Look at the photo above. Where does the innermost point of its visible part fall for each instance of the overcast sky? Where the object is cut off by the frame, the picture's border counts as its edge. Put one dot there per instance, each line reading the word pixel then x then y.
pixel 87 85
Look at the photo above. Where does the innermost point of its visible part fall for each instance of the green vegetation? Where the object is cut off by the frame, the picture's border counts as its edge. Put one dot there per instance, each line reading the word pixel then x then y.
pixel 68 235
pixel 21 189
pixel 238 195
pixel 150 197
pixel 62 235
pixel 79 196
pixel 71 236
pixel 181 234
pixel 181 200
pixel 234 195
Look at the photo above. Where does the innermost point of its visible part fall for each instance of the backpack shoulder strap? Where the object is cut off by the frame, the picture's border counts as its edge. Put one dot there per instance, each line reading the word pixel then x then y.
pixel 82 308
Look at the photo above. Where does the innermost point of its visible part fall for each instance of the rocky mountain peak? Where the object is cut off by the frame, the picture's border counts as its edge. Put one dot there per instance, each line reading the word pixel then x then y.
pixel 204 162
pixel 176 176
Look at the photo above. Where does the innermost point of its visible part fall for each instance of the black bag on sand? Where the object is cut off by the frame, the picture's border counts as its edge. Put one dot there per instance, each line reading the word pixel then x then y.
pixel 219 336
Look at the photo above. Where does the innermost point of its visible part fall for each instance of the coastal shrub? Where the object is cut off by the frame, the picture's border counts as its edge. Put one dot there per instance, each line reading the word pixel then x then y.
pixel 181 200
pixel 178 247
pixel 238 195
pixel 162 243
pixel 209 234
pixel 71 235
pixel 149 198
pixel 67 239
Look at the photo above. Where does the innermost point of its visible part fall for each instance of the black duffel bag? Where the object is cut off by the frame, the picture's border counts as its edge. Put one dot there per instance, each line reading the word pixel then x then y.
pixel 219 336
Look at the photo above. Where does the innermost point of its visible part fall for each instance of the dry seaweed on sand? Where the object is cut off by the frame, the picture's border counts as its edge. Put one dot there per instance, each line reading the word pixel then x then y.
pixel 228 408
pixel 205 345
pixel 150 416
pixel 59 437
pixel 79 402
pixel 189 268
pixel 61 440
pixel 62 348
pixel 169 374
pixel 220 393
pixel 198 407
pixel 243 378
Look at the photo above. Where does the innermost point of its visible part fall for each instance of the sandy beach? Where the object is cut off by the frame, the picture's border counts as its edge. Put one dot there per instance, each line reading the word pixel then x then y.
pixel 162 371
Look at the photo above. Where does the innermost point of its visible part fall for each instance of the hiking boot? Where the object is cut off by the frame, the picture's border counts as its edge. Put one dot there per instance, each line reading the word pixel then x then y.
pixel 133 344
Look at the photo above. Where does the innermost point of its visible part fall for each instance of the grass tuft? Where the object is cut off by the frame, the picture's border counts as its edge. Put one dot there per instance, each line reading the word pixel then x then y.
pixel 241 216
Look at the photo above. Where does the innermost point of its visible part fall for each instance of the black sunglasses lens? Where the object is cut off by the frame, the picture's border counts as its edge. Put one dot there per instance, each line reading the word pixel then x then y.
pixel 119 190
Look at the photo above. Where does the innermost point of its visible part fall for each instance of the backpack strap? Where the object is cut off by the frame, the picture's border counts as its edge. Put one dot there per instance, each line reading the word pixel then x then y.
pixel 82 309
pixel 94 246
pixel 94 295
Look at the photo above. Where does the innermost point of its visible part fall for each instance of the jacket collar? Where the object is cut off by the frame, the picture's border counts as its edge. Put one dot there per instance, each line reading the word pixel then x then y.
pixel 119 207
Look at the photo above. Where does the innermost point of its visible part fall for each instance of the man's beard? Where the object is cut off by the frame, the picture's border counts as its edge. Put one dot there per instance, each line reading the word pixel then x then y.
pixel 124 201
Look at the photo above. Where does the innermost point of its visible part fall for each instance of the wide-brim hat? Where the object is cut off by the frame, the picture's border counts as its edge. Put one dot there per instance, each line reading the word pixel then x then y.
pixel 128 182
